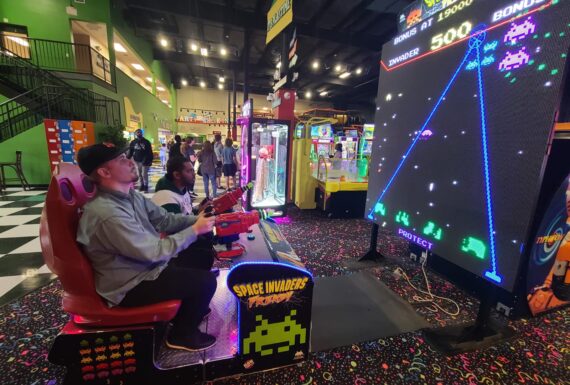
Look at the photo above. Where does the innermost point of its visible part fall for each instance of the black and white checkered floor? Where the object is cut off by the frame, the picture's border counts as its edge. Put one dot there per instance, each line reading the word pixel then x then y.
pixel 22 267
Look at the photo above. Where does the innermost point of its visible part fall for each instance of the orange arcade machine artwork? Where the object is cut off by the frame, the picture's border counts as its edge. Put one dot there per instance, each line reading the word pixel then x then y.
pixel 550 256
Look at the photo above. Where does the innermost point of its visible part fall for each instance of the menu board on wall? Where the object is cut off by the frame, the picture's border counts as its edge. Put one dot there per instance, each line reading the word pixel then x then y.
pixel 65 138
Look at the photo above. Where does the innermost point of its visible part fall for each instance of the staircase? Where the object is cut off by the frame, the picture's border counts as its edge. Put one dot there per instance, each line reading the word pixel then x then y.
pixel 37 94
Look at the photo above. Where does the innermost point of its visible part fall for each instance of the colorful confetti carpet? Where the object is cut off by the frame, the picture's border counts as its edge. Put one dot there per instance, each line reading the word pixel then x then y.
pixel 538 354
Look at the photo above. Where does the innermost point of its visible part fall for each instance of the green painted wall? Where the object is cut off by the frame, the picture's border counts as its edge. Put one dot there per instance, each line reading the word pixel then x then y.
pixel 35 160
pixel 47 19
pixel 143 101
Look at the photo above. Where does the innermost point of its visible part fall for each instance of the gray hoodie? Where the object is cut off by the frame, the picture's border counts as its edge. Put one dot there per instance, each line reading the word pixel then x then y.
pixel 120 234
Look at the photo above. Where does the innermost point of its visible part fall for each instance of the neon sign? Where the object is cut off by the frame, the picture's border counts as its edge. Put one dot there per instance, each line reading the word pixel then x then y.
pixel 415 238
pixel 265 293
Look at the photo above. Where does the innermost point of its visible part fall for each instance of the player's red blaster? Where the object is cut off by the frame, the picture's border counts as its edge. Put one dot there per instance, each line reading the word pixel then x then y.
pixel 224 202
pixel 232 224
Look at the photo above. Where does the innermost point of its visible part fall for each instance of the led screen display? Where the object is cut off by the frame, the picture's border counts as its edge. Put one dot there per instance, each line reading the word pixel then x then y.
pixel 322 131
pixel 465 109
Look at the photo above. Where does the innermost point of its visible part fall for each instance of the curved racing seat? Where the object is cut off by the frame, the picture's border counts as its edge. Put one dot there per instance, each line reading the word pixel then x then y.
pixel 68 191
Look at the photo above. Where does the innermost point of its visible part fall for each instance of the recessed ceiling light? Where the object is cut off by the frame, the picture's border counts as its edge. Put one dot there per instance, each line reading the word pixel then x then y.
pixel 344 75
pixel 308 94
pixel 204 51
pixel 222 79
pixel 358 71
pixel 316 64
pixel 265 108
pixel 193 47
pixel 159 88
pixel 164 42
pixel 202 84
pixel 119 47
pixel 137 66
pixel 220 86
pixel 223 51
pixel 337 68
pixel 324 93
pixel 184 82
pixel 278 65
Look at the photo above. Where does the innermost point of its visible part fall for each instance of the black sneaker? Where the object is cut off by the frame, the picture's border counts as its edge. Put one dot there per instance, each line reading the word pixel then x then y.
pixel 215 270
pixel 194 343
pixel 193 194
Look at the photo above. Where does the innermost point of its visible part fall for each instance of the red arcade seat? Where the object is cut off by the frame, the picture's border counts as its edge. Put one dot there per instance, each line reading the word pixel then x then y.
pixel 68 191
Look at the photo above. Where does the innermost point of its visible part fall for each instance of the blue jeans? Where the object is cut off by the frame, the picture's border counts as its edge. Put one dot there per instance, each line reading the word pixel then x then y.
pixel 211 178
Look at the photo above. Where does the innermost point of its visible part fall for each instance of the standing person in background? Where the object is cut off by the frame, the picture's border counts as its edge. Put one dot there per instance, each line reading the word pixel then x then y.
pixel 207 158
pixel 218 148
pixel 230 163
pixel 140 150
pixel 174 150
pixel 163 156
pixel 187 151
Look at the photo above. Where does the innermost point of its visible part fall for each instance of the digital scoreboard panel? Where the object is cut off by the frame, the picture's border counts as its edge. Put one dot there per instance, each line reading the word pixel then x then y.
pixel 465 109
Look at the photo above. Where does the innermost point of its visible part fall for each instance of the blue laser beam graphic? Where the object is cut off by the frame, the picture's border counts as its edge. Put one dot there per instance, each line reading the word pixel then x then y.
pixel 474 44
pixel 486 163
pixel 432 113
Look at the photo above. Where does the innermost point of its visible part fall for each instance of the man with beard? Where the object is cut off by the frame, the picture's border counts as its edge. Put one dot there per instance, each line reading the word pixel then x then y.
pixel 172 194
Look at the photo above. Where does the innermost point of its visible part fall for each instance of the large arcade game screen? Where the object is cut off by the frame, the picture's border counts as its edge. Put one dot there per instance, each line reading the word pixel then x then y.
pixel 466 105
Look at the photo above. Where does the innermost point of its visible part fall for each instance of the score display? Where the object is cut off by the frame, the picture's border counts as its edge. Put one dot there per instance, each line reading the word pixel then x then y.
pixel 465 109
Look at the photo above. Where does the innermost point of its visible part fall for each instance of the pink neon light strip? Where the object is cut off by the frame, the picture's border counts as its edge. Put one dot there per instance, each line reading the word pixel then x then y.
pixel 465 38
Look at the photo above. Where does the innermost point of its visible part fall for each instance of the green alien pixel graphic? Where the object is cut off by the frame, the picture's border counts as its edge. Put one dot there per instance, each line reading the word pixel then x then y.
pixel 281 335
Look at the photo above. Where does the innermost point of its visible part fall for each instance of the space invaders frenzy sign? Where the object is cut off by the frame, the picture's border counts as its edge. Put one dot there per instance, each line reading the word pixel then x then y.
pixel 466 102
pixel 274 314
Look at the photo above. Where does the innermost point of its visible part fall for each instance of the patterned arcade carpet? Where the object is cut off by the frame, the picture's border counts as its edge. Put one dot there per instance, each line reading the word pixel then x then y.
pixel 539 353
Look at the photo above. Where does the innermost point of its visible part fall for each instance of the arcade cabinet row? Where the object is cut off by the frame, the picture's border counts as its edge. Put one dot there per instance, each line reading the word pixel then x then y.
pixel 330 164
pixel 327 166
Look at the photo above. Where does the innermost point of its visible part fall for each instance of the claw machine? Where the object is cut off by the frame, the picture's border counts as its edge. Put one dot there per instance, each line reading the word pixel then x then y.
pixel 265 149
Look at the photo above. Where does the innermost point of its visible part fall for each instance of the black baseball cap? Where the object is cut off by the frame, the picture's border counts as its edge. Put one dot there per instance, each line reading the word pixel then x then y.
pixel 91 157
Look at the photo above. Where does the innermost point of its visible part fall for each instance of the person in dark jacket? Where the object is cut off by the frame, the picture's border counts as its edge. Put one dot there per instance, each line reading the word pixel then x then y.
pixel 140 150
pixel 174 150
